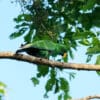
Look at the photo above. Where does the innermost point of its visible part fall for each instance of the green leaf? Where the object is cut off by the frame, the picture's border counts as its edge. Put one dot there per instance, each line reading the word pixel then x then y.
pixel 98 72
pixel 19 18
pixel 67 96
pixel 64 85
pixel 81 0
pixel 2 91
pixel 96 17
pixel 35 81
pixel 49 85
pixel 23 17
pixel 83 35
pixel 84 42
pixel 85 20
pixel 17 34
pixel 57 88
pixel 42 70
pixel 98 60
pixel 95 41
pixel 89 58
pixel 71 54
pixel 98 63
pixel 60 97
pixel 28 37
pixel 3 85
pixel 93 50
pixel 45 95
pixel 53 73
pixel 2 88
pixel 24 24
pixel 89 5
pixel 64 96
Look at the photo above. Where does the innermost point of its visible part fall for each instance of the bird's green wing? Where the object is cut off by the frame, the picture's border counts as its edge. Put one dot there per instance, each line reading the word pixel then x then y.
pixel 49 45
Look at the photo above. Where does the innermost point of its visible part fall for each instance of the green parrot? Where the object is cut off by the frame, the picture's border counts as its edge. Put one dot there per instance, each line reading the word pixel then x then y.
pixel 42 48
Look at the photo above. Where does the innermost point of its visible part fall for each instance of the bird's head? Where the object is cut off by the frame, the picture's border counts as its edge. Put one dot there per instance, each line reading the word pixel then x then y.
pixel 26 45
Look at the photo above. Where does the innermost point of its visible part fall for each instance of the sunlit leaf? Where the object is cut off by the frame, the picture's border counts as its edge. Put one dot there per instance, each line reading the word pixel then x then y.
pixel 84 42
pixel 98 60
pixel 98 63
pixel 2 88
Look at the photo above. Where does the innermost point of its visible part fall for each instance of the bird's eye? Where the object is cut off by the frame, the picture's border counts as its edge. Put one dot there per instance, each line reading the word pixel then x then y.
pixel 21 45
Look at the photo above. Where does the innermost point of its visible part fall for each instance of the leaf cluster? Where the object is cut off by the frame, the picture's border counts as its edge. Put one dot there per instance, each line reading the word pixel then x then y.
pixel 61 25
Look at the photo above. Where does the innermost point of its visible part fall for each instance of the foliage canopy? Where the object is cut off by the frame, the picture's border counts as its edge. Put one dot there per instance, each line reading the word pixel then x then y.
pixel 61 22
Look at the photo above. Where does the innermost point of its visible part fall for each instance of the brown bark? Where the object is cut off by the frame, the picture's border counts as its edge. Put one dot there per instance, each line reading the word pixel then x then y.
pixel 89 97
pixel 36 60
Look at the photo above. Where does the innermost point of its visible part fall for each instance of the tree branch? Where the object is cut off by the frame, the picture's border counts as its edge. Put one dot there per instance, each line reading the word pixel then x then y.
pixel 89 97
pixel 36 60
